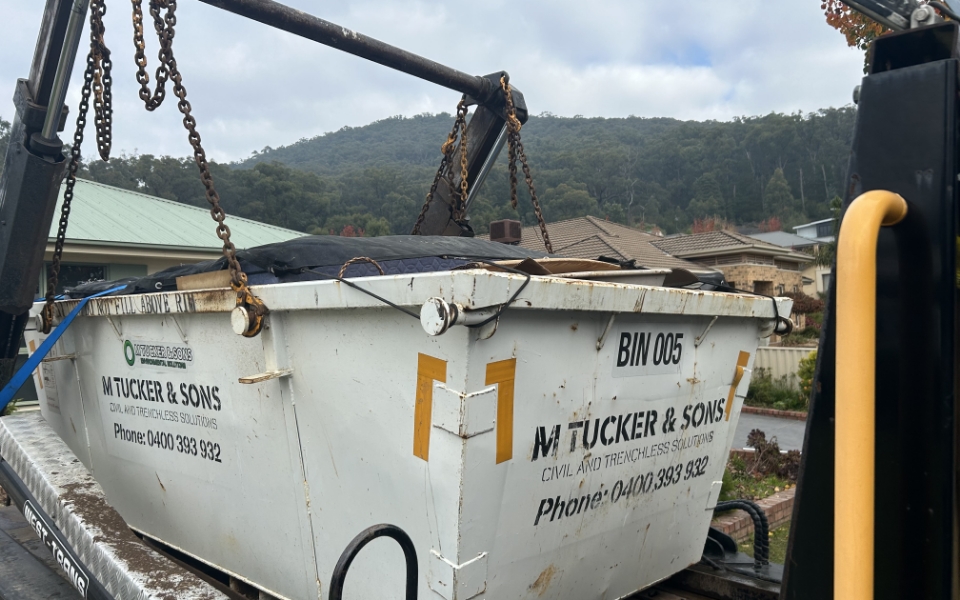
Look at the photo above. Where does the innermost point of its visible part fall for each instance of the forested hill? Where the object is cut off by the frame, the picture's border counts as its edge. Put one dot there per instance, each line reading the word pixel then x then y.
pixel 649 171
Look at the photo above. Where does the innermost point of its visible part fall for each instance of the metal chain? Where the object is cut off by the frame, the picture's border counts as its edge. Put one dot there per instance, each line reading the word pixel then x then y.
pixel 165 34
pixel 462 119
pixel 515 149
pixel 444 172
pixel 164 27
pixel 102 81
pixel 103 121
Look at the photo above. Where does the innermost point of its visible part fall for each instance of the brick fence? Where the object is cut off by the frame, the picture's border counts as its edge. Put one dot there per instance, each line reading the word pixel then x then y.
pixel 738 524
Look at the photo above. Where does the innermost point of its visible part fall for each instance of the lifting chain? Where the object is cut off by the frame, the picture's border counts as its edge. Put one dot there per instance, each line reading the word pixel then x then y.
pixel 445 171
pixel 515 151
pixel 250 310
pixel 248 316
pixel 96 82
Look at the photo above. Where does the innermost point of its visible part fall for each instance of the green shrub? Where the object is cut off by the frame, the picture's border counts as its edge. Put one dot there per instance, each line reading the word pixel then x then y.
pixel 767 392
pixel 808 334
pixel 808 366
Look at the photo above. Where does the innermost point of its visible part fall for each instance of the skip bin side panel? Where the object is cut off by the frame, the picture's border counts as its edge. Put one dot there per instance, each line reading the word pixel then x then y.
pixel 356 384
pixel 188 455
pixel 53 379
pixel 556 520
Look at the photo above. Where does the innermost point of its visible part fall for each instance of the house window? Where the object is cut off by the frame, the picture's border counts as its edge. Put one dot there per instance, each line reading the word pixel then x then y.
pixel 796 289
pixel 781 289
pixel 825 229
pixel 763 287
pixel 826 281
pixel 73 275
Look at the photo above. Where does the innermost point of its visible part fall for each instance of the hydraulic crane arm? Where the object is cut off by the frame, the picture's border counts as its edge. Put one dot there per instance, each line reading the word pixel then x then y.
pixel 485 131
pixel 34 164
pixel 33 168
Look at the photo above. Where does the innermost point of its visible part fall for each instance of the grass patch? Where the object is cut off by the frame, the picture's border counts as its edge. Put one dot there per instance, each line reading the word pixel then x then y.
pixel 763 473
pixel 778 544
pixel 742 483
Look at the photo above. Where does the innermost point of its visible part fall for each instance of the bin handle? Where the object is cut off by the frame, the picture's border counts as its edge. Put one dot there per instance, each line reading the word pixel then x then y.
pixel 365 537
pixel 854 461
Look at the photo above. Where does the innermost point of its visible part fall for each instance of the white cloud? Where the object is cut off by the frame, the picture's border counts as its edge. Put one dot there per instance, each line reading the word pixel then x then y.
pixel 251 86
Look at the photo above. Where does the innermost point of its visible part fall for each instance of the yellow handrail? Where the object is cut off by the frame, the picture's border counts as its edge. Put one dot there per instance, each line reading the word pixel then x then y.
pixel 855 471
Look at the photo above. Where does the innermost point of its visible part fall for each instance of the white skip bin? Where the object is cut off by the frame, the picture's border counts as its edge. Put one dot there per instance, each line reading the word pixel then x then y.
pixel 573 449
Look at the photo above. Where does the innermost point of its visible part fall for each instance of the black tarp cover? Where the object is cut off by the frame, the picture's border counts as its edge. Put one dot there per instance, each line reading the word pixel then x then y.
pixel 288 261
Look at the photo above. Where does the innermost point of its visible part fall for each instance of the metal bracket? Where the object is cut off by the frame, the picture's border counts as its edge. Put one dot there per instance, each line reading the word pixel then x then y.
pixel 183 335
pixel 60 357
pixel 266 376
pixel 603 336
pixel 118 329
pixel 703 335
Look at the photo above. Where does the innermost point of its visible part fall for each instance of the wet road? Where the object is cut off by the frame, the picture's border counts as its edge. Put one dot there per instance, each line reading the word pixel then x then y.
pixel 789 432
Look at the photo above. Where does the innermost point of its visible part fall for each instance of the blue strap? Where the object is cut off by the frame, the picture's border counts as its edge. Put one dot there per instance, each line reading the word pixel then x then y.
pixel 21 376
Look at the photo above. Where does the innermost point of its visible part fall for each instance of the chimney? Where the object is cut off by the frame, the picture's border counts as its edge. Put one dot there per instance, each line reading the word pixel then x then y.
pixel 507 231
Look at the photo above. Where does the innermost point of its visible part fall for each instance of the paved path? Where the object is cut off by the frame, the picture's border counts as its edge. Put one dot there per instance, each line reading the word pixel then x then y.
pixel 27 568
pixel 789 432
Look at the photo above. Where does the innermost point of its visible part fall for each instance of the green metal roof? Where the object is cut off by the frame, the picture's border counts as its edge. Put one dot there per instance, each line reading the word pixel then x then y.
pixel 102 214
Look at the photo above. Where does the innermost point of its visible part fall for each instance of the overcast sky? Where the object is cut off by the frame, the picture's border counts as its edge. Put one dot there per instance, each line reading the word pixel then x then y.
pixel 252 86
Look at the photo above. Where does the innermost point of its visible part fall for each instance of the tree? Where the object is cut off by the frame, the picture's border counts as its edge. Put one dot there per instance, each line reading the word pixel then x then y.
pixel 858 28
pixel 710 224
pixel 827 252
pixel 614 212
pixel 771 224
pixel 660 172
pixel 707 199
pixel 778 198
pixel 568 201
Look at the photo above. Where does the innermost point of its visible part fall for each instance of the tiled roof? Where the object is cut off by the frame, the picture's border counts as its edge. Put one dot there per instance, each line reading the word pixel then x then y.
pixel 721 242
pixel 590 237
pixel 109 215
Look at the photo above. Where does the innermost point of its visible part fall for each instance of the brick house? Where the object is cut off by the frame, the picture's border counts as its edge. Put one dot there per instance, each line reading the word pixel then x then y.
pixel 590 237
pixel 747 263
pixel 816 278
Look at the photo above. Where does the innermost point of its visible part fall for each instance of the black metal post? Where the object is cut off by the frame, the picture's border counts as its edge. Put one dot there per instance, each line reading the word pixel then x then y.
pixel 330 34
pixel 29 185
pixel 906 141
pixel 356 545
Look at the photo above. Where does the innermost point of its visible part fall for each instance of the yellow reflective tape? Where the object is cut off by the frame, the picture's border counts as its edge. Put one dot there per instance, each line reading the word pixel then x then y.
pixel 429 369
pixel 502 374
pixel 742 361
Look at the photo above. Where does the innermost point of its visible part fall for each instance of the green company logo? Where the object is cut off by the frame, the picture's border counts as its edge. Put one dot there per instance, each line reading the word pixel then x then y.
pixel 128 353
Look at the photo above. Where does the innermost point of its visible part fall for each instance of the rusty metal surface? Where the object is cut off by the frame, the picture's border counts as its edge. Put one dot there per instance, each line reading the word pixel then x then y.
pixel 471 288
